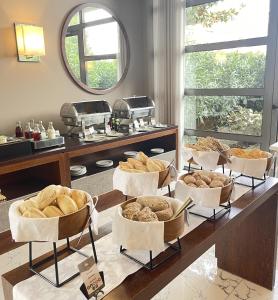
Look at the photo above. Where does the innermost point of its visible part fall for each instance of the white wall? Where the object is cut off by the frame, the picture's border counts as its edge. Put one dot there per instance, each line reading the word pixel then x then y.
pixel 30 90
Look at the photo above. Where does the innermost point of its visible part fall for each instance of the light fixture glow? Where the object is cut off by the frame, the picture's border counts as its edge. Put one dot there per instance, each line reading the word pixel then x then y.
pixel 30 42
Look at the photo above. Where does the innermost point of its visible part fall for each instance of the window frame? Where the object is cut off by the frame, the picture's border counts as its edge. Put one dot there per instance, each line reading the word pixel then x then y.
pixel 78 30
pixel 269 92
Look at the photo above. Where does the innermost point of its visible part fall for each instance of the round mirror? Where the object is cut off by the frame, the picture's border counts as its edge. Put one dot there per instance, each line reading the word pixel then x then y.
pixel 95 48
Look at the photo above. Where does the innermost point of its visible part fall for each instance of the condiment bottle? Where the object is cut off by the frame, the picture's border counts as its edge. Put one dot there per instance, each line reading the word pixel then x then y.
pixel 18 130
pixel 37 133
pixel 42 130
pixel 32 124
pixel 28 133
pixel 51 133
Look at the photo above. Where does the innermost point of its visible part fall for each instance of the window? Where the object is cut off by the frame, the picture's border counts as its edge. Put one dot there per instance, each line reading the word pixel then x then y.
pixel 229 60
pixel 94 60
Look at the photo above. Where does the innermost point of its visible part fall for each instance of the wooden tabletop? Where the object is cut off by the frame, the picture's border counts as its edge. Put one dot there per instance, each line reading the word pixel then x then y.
pixel 260 202
pixel 75 144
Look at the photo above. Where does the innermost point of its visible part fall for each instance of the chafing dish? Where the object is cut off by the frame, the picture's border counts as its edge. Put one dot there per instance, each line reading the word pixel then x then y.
pixel 85 114
pixel 137 107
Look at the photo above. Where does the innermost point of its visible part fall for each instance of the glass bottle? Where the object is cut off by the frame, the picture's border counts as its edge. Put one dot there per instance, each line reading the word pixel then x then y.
pixel 37 133
pixel 18 130
pixel 42 130
pixel 28 132
pixel 32 124
pixel 51 133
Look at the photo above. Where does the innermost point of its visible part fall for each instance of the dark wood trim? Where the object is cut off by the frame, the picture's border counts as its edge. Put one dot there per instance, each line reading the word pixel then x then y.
pixel 145 284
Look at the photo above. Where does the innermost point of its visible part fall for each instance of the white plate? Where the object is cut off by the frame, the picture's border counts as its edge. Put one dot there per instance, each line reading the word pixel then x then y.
pixel 78 170
pixel 157 150
pixel 104 163
pixel 130 153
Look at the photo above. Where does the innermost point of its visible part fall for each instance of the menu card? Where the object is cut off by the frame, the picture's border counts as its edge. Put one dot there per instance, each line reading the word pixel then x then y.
pixel 90 276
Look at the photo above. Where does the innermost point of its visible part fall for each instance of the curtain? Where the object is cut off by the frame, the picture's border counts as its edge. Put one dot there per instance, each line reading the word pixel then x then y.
pixel 122 53
pixel 168 33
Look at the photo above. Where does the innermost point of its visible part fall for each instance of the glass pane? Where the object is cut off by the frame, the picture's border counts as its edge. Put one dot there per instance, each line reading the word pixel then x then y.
pixel 72 52
pixel 91 14
pixel 94 42
pixel 233 144
pixel 226 20
pixel 102 74
pixel 228 68
pixel 227 114
pixel 75 20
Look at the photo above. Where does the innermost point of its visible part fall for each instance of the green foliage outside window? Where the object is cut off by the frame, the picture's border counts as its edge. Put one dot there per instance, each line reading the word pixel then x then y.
pixel 220 69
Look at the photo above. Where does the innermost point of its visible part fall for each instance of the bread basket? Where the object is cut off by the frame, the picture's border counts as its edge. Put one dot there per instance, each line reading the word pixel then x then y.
pixel 221 161
pixel 253 167
pixel 49 229
pixel 207 197
pixel 173 228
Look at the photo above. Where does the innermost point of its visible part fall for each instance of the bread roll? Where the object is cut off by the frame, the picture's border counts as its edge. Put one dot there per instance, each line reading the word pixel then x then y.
pixel 200 182
pixel 52 211
pixel 152 166
pixel 134 205
pixel 79 197
pixel 142 157
pixel 192 185
pixel 203 186
pixel 27 204
pixel 125 165
pixel 133 162
pixel 154 203
pixel 160 163
pixel 146 215
pixel 63 190
pixel 189 179
pixel 206 179
pixel 33 212
pixel 66 204
pixel 133 171
pixel 46 196
pixel 164 215
pixel 216 183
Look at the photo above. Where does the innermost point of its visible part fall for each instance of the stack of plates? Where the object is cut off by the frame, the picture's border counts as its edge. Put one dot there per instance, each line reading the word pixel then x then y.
pixel 105 163
pixel 157 150
pixel 130 153
pixel 78 170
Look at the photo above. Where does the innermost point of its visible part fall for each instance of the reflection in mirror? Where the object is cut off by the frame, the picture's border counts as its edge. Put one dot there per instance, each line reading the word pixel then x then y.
pixel 95 48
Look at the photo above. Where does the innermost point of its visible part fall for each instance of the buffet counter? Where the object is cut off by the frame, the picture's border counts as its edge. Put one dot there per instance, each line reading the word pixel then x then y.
pixel 26 175
pixel 245 240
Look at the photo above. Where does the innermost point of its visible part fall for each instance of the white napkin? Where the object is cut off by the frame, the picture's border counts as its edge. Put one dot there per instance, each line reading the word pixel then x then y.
pixel 249 167
pixel 39 229
pixel 135 184
pixel 206 197
pixel 134 235
pixel 207 159
pixel 29 229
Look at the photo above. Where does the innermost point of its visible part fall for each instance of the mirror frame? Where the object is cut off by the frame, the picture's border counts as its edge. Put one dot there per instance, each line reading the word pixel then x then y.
pixel 64 56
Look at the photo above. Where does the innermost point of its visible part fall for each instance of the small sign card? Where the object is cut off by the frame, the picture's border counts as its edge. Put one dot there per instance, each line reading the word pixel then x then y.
pixel 92 130
pixel 108 129
pixel 142 124
pixel 91 276
pixel 136 124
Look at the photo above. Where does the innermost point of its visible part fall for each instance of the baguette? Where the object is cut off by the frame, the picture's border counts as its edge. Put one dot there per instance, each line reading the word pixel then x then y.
pixel 66 204
pixel 52 211
pixel 33 212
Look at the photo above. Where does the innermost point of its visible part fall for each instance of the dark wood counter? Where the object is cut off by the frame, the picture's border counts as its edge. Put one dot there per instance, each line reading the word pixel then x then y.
pixel 245 239
pixel 27 174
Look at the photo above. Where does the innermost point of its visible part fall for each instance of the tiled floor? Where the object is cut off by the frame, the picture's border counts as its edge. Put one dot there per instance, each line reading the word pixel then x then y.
pixel 201 281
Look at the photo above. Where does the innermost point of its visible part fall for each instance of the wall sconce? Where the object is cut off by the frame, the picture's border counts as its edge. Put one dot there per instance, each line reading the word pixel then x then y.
pixel 30 42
